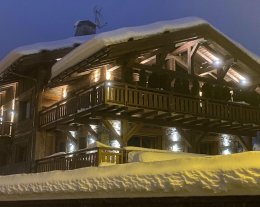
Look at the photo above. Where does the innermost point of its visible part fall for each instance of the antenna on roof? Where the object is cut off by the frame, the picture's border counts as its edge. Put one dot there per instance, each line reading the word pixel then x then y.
pixel 99 19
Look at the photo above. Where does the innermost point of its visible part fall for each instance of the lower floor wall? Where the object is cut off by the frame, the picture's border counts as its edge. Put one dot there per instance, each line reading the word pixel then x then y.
pixel 118 133
pixel 20 152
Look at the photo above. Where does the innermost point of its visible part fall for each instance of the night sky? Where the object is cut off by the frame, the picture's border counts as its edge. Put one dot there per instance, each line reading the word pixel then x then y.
pixel 25 22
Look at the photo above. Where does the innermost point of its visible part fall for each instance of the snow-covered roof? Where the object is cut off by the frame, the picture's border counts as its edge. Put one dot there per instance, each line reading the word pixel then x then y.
pixel 167 174
pixel 38 47
pixel 102 40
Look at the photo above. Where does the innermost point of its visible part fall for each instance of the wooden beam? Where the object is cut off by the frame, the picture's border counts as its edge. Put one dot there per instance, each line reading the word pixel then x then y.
pixel 168 123
pixel 135 111
pixel 191 54
pixel 150 113
pixel 120 109
pixel 124 129
pixel 199 121
pixel 186 46
pixel 145 67
pixel 241 141
pixel 133 130
pixel 163 115
pixel 175 117
pixel 74 139
pixel 201 137
pixel 110 108
pixel 221 73
pixel 109 126
pixel 63 127
pixel 91 131
pixel 186 119
pixel 184 137
pixel 180 61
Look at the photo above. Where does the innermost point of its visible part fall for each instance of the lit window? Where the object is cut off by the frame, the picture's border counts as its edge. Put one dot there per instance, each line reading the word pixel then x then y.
pixel 108 75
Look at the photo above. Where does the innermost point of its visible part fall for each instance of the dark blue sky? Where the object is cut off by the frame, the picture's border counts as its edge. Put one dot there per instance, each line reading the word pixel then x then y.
pixel 24 22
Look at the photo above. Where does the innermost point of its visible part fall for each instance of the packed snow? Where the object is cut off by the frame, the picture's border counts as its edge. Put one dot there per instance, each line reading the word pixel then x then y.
pixel 102 40
pixel 236 174
pixel 38 47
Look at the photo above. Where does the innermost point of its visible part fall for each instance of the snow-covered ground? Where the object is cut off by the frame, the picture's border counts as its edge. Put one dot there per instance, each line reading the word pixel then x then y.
pixel 236 174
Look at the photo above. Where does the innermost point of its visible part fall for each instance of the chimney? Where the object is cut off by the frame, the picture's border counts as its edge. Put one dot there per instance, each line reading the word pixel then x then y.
pixel 85 27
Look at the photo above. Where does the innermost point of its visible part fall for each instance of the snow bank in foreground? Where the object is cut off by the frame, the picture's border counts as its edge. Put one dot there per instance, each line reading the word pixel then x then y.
pixel 237 174
pixel 138 154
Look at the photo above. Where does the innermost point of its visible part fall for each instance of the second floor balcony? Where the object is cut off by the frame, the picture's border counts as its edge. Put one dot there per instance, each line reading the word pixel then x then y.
pixel 165 104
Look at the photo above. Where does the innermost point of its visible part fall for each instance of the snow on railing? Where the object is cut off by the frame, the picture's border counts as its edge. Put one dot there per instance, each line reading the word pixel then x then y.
pixel 81 158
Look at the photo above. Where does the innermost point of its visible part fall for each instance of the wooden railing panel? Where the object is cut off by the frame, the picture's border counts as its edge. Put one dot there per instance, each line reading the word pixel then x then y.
pixel 129 95
pixel 71 106
pixel 79 159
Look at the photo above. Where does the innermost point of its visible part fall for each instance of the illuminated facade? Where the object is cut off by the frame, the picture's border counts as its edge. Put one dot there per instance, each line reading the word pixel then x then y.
pixel 189 89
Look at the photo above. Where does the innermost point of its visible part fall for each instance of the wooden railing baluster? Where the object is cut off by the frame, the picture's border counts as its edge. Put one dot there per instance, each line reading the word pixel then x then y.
pixel 130 95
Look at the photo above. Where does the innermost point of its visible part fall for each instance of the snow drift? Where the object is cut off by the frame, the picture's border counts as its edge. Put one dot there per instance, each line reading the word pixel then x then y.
pixel 236 174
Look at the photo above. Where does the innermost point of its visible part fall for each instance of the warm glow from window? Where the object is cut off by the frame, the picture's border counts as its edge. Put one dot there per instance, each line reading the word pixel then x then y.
pixel 148 59
pixel 108 75
pixel 64 92
pixel 96 75
pixel 12 112
pixel 1 113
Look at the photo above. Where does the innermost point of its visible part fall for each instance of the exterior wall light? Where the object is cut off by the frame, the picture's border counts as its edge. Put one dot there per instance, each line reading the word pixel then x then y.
pixel 217 62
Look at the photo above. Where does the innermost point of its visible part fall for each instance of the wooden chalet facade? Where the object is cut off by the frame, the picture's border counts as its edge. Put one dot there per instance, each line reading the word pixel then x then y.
pixel 190 89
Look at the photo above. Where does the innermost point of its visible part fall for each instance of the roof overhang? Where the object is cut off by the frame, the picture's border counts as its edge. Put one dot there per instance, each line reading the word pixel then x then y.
pixel 112 52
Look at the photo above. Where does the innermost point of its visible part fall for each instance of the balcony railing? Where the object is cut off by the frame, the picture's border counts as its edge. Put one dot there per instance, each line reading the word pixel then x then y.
pixel 79 159
pixel 132 96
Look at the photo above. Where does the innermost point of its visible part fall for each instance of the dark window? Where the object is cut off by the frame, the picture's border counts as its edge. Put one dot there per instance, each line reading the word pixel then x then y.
pixel 146 142
pixel 24 110
pixel 21 153
pixel 3 158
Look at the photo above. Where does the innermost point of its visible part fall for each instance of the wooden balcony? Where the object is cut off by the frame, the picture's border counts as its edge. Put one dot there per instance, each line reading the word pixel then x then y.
pixel 132 97
pixel 79 159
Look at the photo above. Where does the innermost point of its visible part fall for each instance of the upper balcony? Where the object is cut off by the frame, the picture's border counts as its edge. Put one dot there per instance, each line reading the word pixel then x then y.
pixel 124 101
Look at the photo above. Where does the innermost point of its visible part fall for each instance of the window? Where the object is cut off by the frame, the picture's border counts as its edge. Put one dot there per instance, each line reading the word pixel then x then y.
pixel 146 142
pixel 21 153
pixel 24 110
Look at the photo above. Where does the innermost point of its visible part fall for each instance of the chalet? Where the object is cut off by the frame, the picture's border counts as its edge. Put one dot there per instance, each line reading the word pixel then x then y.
pixel 177 85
